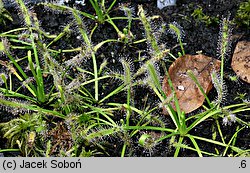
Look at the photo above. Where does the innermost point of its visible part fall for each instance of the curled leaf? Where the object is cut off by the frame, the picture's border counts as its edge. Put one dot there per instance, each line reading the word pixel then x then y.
pixel 187 92
pixel 241 60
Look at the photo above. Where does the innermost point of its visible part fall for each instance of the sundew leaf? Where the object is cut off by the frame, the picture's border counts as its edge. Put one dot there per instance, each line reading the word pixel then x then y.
pixel 189 96
pixel 241 60
pixel 1 47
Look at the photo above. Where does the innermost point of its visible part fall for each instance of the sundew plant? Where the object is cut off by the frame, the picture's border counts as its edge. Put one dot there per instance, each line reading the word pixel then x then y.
pixel 59 98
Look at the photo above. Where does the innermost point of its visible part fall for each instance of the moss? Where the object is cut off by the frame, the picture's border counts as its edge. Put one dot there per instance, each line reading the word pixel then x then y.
pixel 243 14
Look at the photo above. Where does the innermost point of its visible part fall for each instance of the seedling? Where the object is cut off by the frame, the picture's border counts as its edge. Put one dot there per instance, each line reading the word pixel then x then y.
pixel 200 16
pixel 243 14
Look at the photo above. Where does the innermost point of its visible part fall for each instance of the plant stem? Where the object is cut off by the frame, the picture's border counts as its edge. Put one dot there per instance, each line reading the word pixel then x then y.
pixel 95 76
pixel 123 150
pixel 178 146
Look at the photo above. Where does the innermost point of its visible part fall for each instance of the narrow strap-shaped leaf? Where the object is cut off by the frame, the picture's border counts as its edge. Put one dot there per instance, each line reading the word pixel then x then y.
pixel 195 145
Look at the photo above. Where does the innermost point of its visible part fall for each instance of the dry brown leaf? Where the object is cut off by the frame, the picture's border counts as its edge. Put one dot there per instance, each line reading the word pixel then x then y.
pixel 241 60
pixel 188 94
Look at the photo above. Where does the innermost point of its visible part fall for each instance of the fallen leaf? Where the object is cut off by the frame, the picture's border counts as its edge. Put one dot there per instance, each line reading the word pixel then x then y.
pixel 241 60
pixel 187 92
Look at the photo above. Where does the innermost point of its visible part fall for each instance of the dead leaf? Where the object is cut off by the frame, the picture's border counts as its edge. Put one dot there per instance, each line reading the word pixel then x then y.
pixel 188 94
pixel 241 60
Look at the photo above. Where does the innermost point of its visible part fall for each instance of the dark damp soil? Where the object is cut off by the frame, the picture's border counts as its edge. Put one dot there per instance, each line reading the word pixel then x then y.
pixel 198 37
